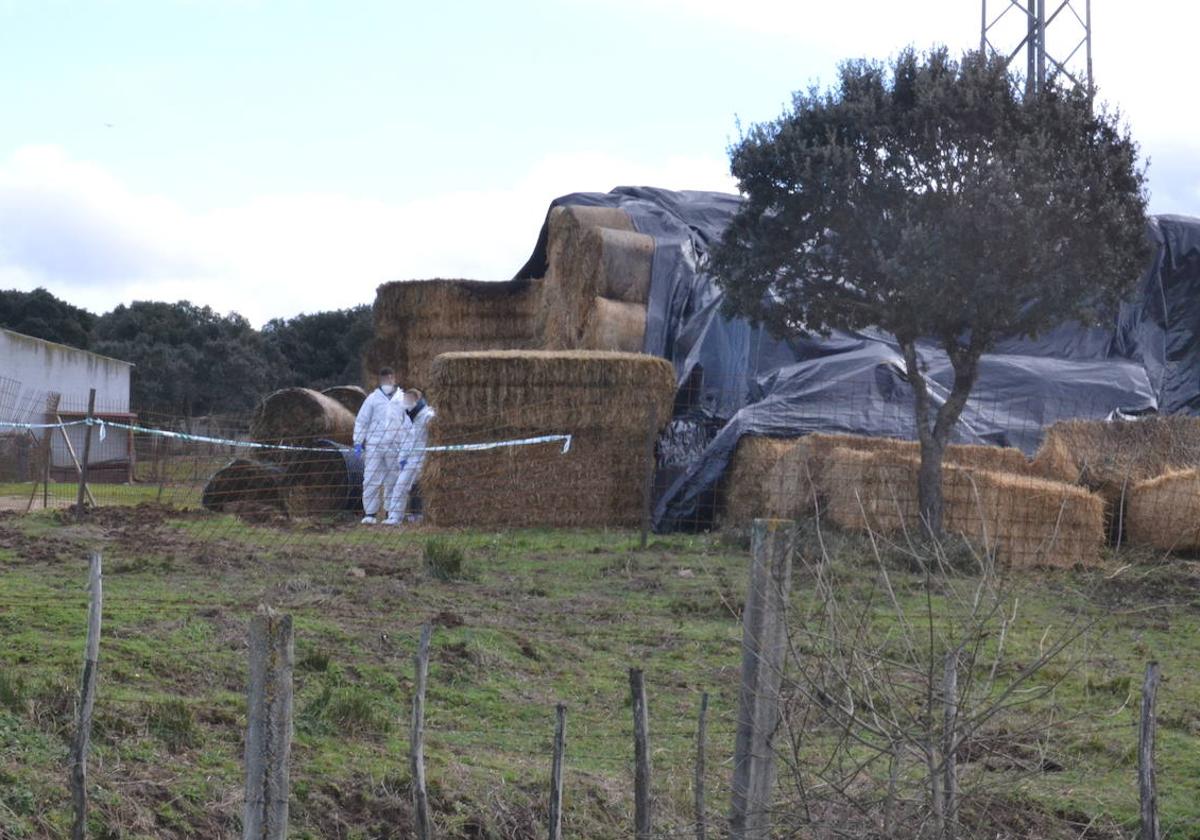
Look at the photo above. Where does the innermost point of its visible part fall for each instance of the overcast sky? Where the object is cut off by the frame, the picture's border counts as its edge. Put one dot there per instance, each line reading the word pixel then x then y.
pixel 282 157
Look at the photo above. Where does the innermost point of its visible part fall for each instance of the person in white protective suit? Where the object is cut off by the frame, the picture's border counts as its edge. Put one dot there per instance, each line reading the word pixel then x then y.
pixel 413 418
pixel 375 440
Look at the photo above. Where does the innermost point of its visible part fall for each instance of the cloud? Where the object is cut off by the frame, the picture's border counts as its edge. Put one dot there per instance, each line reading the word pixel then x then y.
pixel 78 230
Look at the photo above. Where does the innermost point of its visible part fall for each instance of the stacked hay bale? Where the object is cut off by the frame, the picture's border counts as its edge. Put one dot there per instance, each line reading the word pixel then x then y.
pixel 1164 512
pixel 300 417
pixel 601 399
pixel 1112 457
pixel 783 477
pixel 598 282
pixel 415 321
pixel 1026 520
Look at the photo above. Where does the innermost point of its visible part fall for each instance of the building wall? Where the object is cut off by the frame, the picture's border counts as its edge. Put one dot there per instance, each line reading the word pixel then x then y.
pixel 42 367
pixel 45 366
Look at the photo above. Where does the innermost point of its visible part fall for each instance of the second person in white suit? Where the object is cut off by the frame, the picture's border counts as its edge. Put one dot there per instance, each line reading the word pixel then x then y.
pixel 413 416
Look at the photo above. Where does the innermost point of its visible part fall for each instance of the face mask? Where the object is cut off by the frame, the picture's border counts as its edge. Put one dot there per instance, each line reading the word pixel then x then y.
pixel 387 389
pixel 409 403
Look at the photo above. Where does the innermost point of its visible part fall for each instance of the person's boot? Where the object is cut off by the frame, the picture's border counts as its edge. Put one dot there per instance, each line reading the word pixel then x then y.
pixel 370 519
pixel 392 519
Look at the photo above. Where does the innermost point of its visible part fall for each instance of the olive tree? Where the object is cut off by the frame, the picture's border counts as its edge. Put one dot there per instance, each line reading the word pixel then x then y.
pixel 931 198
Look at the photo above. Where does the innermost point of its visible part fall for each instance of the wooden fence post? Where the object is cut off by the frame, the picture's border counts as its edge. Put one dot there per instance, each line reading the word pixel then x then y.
pixel 424 829
pixel 87 453
pixel 1147 783
pixel 642 818
pixel 269 726
pixel 698 787
pixel 87 699
pixel 556 771
pixel 764 647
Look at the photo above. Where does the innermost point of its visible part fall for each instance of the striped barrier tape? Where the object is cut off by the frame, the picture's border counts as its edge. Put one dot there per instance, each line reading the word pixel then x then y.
pixel 246 444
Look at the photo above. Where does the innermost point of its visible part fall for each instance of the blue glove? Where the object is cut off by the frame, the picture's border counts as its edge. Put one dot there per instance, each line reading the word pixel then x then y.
pixel 403 463
pixel 358 450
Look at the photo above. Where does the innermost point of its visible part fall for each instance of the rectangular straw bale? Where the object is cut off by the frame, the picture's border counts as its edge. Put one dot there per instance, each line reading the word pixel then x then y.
pixel 602 399
pixel 747 488
pixel 1164 512
pixel 792 478
pixel 613 325
pixel 591 253
pixel 417 320
pixel 1028 520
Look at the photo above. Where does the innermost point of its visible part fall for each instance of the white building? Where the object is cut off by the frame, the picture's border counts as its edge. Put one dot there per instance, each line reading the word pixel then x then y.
pixel 33 371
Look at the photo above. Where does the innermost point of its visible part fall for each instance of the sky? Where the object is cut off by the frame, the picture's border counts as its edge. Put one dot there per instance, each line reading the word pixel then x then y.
pixel 275 158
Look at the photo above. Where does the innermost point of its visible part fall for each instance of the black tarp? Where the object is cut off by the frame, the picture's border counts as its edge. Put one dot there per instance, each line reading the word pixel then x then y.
pixel 736 379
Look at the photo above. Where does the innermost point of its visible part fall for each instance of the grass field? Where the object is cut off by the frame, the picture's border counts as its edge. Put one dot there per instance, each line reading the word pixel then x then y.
pixel 531 618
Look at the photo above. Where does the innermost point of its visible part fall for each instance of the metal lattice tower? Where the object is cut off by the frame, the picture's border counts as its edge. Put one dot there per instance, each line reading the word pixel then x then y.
pixel 1030 23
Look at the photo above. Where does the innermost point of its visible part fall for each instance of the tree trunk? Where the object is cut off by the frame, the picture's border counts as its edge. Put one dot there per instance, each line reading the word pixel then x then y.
pixel 929 486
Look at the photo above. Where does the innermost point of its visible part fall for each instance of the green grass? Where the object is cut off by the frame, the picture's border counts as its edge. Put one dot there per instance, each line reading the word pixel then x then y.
pixel 529 618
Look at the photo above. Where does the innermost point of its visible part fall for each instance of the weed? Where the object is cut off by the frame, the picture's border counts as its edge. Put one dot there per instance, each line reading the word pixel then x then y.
pixel 12 692
pixel 314 660
pixel 173 722
pixel 443 560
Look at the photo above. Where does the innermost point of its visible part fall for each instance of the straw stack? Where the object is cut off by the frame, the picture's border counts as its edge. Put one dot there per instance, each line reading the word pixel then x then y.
pixel 1028 521
pixel 784 477
pixel 417 320
pixel 603 400
pixel 300 417
pixel 1164 512
pixel 598 280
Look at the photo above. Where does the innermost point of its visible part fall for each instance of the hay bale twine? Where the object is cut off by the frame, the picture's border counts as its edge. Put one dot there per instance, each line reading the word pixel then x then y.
pixel 242 482
pixel 300 417
pixel 1164 512
pixel 1028 521
pixel 601 399
pixel 350 396
pixel 613 325
pixel 323 482
pixel 787 478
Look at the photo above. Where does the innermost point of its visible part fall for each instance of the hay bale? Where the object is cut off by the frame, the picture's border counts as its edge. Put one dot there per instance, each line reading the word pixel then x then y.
pixel 1028 521
pixel 415 321
pixel 324 482
pixel 1110 457
pixel 601 399
pixel 785 479
pixel 300 417
pixel 350 396
pixel 613 325
pixel 242 482
pixel 591 255
pixel 1164 512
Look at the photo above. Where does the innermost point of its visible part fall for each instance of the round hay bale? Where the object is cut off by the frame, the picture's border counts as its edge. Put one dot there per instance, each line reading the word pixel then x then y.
pixel 1164 512
pixel 613 325
pixel 242 482
pixel 300 417
pixel 350 396
pixel 324 482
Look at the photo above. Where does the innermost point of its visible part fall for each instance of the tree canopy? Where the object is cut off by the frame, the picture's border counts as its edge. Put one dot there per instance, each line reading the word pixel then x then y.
pixel 931 198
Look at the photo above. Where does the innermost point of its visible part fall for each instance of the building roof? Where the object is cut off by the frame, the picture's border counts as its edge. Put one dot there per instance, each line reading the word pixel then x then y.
pixel 59 346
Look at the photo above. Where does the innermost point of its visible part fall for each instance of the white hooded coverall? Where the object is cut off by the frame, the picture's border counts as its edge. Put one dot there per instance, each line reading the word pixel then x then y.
pixel 413 441
pixel 376 429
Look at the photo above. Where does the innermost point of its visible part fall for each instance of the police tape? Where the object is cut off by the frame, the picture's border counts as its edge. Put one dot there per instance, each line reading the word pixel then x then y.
pixel 104 425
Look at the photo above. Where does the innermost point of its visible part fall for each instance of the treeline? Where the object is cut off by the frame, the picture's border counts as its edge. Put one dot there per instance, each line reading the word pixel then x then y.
pixel 192 361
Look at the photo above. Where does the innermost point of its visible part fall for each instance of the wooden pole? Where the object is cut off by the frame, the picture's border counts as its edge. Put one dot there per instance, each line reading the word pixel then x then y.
pixel 648 479
pixel 556 771
pixel 764 647
pixel 87 699
pixel 87 452
pixel 698 786
pixel 642 818
pixel 424 829
pixel 1147 783
pixel 949 723
pixel 269 726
